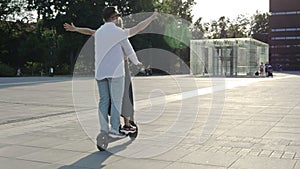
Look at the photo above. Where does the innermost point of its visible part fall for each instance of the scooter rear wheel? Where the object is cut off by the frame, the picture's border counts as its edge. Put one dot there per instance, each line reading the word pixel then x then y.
pixel 102 141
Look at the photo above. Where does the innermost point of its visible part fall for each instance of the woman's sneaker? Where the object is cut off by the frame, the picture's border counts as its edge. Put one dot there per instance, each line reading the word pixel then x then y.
pixel 128 129
pixel 116 135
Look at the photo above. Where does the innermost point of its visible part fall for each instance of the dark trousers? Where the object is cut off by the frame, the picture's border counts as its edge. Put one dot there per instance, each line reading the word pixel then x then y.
pixel 127 103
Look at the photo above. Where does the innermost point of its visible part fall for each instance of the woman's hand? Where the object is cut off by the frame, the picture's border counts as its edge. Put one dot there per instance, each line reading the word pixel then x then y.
pixel 70 27
pixel 155 13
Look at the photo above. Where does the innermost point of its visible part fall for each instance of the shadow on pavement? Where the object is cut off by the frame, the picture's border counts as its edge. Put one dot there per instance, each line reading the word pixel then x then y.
pixel 96 159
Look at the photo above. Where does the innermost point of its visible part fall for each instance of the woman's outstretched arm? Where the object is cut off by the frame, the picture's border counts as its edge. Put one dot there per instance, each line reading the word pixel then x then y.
pixel 72 28
pixel 132 31
pixel 142 25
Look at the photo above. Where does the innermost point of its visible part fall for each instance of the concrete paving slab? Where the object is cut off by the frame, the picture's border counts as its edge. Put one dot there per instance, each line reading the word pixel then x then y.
pixel 86 145
pixel 11 163
pixel 172 155
pixel 49 155
pixel 46 142
pixel 250 131
pixel 283 135
pixel 277 154
pixel 15 151
pixel 178 165
pixel 19 138
pixel 52 166
pixel 209 158
pixel 263 162
pixel 297 166
pixel 138 163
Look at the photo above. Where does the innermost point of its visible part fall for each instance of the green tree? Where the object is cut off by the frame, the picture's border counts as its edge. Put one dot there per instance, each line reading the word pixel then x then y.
pixel 199 29
pixel 238 28
pixel 179 8
pixel 256 27
pixel 260 26
pixel 218 29
pixel 10 9
pixel 53 14
pixel 39 56
pixel 177 26
pixel 226 28
pixel 127 7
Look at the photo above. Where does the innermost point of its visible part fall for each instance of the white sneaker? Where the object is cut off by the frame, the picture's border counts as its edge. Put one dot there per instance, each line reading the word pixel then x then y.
pixel 128 129
pixel 116 135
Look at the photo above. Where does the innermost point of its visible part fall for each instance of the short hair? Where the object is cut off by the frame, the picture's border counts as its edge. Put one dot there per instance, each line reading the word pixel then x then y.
pixel 109 12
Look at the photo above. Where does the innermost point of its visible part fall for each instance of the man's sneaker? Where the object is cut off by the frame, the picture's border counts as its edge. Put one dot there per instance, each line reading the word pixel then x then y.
pixel 116 135
pixel 128 129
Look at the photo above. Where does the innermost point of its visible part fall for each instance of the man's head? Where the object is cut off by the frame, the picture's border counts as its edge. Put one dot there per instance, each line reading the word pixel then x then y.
pixel 111 14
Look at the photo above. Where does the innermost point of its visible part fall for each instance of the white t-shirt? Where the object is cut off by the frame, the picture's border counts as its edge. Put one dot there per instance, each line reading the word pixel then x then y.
pixel 111 44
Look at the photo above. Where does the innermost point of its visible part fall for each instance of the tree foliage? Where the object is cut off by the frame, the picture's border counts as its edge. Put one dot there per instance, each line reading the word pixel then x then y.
pixel 255 26
pixel 9 8
pixel 260 26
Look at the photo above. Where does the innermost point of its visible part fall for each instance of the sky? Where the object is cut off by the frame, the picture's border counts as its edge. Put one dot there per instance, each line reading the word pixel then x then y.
pixel 214 9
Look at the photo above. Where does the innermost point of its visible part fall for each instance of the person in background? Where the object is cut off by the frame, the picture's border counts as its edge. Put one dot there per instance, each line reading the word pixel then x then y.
pixel 19 72
pixel 261 69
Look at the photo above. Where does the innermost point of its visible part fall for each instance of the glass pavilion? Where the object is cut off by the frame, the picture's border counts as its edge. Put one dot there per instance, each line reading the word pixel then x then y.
pixel 227 57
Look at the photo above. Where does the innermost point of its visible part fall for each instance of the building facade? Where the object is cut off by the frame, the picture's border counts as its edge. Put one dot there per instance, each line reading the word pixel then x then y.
pixel 227 57
pixel 285 34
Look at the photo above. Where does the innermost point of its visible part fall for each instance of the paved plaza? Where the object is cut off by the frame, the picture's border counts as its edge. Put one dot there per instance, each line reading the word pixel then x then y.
pixel 184 122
